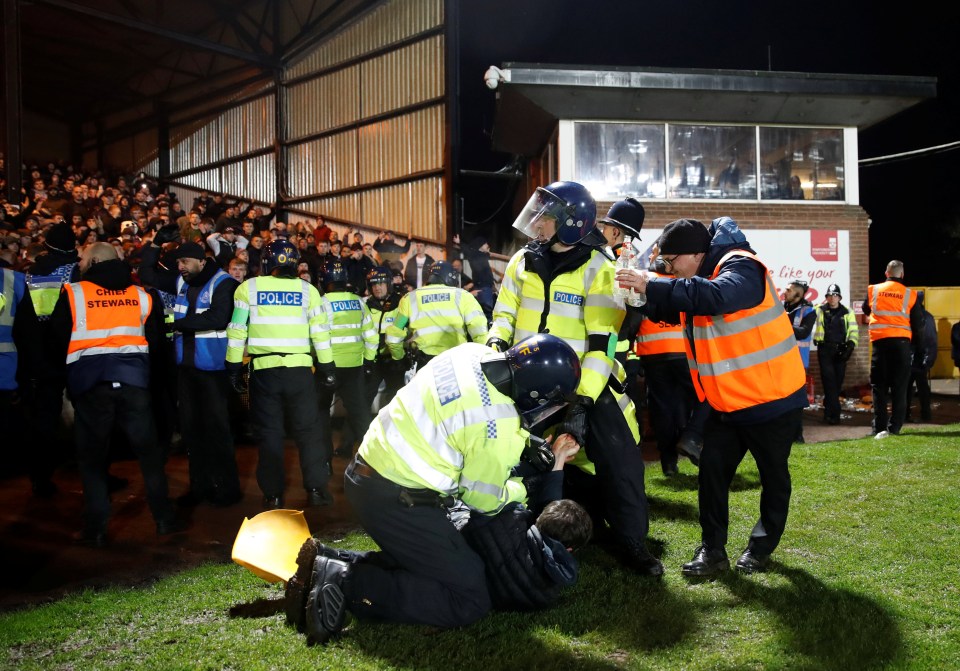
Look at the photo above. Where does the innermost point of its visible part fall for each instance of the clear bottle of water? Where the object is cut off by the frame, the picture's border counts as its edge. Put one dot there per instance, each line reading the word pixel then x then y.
pixel 629 259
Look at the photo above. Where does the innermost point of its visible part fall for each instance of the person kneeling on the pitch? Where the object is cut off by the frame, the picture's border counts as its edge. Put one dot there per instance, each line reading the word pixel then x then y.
pixel 455 432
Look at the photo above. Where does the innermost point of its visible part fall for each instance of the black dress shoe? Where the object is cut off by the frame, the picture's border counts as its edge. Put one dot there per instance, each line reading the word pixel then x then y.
pixel 326 608
pixel 706 562
pixel 169 527
pixel 752 561
pixel 319 497
pixel 670 469
pixel 272 502
pixel 690 448
pixel 638 558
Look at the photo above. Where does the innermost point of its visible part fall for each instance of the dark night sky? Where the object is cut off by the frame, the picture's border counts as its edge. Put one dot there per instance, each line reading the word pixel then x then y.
pixel 913 203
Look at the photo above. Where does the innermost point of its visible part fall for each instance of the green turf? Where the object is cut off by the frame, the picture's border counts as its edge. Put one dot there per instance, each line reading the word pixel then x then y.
pixel 866 577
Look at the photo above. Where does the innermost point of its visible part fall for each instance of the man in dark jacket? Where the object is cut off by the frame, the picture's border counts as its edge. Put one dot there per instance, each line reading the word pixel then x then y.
pixel 57 265
pixel 923 359
pixel 103 327
pixel 720 282
pixel 203 306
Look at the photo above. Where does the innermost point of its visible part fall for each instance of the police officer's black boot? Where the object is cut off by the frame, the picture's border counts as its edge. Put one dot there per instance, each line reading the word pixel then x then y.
pixel 638 558
pixel 298 586
pixel 326 608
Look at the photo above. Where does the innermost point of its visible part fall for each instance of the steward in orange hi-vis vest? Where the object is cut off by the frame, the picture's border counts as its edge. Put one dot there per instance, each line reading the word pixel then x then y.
pixel 746 358
pixel 890 306
pixel 105 321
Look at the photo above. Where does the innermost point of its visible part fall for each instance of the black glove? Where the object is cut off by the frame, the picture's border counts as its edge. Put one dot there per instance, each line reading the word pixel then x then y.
pixel 168 233
pixel 847 351
pixel 575 422
pixel 498 345
pixel 327 375
pixel 235 373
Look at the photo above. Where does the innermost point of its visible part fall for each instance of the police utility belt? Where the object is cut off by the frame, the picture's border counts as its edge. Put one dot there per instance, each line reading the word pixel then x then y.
pixel 408 497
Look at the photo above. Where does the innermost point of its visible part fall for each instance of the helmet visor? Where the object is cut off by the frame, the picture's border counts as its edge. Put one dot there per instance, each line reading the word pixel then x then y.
pixel 541 211
pixel 542 413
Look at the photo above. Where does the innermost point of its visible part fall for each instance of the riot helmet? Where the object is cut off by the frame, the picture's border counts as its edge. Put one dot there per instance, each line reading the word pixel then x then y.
pixel 539 373
pixel 279 255
pixel 334 275
pixel 442 272
pixel 570 205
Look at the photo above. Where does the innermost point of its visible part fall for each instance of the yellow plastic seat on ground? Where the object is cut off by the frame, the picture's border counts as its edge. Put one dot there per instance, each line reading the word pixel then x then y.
pixel 268 543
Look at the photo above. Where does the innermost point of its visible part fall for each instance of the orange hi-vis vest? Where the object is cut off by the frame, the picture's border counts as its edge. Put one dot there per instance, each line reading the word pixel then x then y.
pixel 658 337
pixel 890 305
pixel 107 321
pixel 746 358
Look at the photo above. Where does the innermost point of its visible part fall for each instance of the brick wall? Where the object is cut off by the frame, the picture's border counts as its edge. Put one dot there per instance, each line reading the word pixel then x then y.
pixel 852 218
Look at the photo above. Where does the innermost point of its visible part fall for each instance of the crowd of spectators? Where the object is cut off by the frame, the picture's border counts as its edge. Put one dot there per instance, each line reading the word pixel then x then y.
pixel 128 211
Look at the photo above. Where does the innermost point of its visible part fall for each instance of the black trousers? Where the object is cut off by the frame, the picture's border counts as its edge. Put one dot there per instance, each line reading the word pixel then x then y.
pixel 919 378
pixel 724 447
pixel 97 412
pixel 45 410
pixel 203 400
pixel 832 372
pixel 351 390
pixel 278 394
pixel 670 400
pixel 889 377
pixel 619 465
pixel 384 372
pixel 425 572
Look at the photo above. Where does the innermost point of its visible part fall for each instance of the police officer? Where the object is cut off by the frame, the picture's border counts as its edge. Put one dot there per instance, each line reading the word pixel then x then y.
pixel 353 338
pixel 203 306
pixel 562 283
pixel 17 344
pixel 896 329
pixel 731 313
pixel 280 318
pixel 455 431
pixel 437 316
pixel 803 317
pixel 55 266
pixel 383 304
pixel 836 336
pixel 104 327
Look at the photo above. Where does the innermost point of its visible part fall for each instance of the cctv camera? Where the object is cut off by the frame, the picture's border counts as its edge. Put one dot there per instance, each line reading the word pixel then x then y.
pixel 493 76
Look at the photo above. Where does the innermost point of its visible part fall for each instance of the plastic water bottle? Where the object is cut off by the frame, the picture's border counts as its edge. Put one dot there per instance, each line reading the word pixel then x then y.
pixel 629 259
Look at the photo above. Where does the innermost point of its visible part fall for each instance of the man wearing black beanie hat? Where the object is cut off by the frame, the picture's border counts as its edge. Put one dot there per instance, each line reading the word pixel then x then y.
pixel 745 362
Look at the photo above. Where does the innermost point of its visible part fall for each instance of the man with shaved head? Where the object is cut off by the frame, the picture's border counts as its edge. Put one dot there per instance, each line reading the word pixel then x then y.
pixel 104 327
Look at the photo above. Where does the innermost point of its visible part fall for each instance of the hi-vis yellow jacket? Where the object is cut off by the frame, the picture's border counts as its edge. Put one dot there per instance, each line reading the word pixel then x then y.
pixel 577 306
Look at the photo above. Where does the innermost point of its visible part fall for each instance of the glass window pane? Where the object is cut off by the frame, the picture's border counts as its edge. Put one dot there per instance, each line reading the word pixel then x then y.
pixel 616 160
pixel 801 163
pixel 712 162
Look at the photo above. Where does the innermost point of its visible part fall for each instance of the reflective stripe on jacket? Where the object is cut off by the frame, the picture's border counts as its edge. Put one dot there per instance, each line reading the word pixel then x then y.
pixel 353 335
pixel 209 347
pixel 278 318
pixel 580 307
pixel 106 321
pixel 452 432
pixel 745 358
pixel 12 288
pixel 890 305
pixel 659 338
pixel 851 332
pixel 439 317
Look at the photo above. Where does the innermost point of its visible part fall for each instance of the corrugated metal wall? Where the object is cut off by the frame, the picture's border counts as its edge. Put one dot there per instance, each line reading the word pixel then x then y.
pixel 362 135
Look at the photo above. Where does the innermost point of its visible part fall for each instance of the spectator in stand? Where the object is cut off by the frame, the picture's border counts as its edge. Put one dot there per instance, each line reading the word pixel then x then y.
pixel 253 255
pixel 477 254
pixel 190 229
pixel 418 266
pixel 321 231
pixel 237 269
pixel 358 266
pixel 228 219
pixel 388 248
